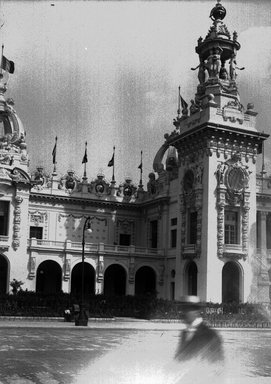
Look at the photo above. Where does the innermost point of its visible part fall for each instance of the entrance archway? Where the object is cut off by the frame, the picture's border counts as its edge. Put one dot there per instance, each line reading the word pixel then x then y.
pixel 49 275
pixel 231 283
pixel 3 274
pixel 89 280
pixel 192 278
pixel 145 281
pixel 115 280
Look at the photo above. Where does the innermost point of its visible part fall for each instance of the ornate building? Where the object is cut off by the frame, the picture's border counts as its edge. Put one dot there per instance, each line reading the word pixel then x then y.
pixel 202 226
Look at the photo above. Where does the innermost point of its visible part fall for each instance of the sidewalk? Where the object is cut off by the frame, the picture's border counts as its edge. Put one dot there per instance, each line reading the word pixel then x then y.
pixel 105 323
pixel 93 323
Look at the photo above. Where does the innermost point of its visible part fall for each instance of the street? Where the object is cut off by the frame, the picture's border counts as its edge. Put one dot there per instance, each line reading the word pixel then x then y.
pixel 119 352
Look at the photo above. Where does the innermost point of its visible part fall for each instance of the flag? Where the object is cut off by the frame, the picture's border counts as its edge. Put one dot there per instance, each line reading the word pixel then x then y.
pixel 140 165
pixel 111 162
pixel 7 65
pixel 85 158
pixel 54 152
pixel 184 103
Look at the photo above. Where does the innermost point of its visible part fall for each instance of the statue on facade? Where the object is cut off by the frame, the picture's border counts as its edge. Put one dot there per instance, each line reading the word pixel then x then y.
pixel 202 71
pixel 213 62
pixel 233 67
pixel 151 185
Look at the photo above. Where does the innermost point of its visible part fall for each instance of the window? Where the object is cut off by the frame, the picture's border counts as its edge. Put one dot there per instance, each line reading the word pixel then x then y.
pixel 125 239
pixel 173 238
pixel 36 232
pixel 192 227
pixel 4 213
pixel 231 227
pixel 153 233
pixel 173 233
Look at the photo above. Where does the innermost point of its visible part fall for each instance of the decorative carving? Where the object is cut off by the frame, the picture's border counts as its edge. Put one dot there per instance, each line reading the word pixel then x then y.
pixel 161 274
pixel 152 185
pixel 17 222
pixel 38 217
pixel 213 64
pixel 127 190
pixel 32 267
pixel 220 226
pixel 100 186
pixel 67 269
pixel 69 181
pixel 100 269
pixel 39 179
pixel 131 272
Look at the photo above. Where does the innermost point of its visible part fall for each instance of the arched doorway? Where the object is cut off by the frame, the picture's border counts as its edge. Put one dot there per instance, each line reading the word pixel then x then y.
pixel 231 283
pixel 145 281
pixel 49 275
pixel 3 274
pixel 89 280
pixel 115 280
pixel 192 278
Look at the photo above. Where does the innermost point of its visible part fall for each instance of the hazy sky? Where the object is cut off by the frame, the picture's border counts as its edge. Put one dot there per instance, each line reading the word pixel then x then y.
pixel 108 73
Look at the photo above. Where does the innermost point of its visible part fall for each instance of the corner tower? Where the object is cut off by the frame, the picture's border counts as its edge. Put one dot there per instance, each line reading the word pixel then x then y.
pixel 14 191
pixel 217 143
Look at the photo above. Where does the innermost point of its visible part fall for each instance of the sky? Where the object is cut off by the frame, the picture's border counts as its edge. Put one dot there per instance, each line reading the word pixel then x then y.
pixel 108 73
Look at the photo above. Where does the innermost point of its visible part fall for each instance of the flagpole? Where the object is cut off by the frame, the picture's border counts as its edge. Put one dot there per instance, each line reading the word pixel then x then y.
pixel 85 163
pixel 2 60
pixel 179 103
pixel 113 176
pixel 54 158
pixel 140 181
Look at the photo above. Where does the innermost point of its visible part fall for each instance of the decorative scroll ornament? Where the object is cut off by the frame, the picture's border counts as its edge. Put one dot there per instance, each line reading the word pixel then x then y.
pixel 39 179
pixel 161 274
pixel 32 267
pixel 67 269
pixel 100 186
pixel 131 271
pixel 100 269
pixel 127 190
pixel 17 222
pixel 235 177
pixel 69 181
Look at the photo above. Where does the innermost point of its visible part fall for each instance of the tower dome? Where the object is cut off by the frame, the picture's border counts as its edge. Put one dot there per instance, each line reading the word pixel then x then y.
pixel 13 148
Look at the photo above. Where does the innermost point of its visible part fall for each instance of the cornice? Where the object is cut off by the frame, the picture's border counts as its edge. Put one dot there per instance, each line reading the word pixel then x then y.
pixel 96 202
pixel 209 129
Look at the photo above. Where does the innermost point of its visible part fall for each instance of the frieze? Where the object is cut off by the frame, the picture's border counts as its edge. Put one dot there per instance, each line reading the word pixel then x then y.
pixel 71 215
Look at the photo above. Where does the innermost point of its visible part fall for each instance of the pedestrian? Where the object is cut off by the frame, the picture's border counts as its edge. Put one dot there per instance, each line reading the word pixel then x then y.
pixel 200 349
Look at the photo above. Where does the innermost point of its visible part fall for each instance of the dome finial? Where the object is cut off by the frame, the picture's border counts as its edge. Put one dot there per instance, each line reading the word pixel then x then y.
pixel 218 12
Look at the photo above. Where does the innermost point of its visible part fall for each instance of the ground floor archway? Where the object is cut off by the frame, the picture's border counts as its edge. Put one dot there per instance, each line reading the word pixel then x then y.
pixel 191 278
pixel 115 280
pixel 49 276
pixel 3 274
pixel 89 280
pixel 231 283
pixel 145 281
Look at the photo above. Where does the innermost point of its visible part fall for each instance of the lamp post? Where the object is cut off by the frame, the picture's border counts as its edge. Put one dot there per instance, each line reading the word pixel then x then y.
pixel 83 318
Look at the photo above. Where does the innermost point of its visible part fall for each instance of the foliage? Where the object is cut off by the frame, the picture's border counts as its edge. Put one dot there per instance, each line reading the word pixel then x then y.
pixel 16 286
pixel 27 303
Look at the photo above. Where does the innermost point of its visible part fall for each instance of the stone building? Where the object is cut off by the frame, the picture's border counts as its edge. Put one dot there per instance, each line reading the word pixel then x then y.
pixel 202 226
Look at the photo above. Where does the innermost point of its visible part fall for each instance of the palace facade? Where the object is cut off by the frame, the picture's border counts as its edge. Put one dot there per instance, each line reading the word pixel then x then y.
pixel 202 226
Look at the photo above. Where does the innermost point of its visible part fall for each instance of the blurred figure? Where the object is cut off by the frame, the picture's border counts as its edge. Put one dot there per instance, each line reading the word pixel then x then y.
pixel 200 348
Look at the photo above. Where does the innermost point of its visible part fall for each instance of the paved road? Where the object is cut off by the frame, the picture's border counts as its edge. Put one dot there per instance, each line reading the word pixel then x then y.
pixel 116 352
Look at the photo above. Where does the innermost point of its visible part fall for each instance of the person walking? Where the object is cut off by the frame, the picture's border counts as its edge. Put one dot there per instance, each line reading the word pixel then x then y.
pixel 200 349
